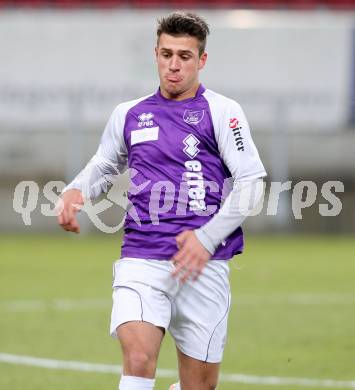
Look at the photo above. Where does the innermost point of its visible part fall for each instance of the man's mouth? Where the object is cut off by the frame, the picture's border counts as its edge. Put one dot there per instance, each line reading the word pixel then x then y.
pixel 173 79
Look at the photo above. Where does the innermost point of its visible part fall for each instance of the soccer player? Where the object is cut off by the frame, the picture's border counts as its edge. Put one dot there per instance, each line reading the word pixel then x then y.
pixel 181 145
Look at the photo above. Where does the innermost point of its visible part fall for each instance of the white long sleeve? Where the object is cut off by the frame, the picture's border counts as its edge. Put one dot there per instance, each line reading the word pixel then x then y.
pixel 238 152
pixel 238 206
pixel 109 161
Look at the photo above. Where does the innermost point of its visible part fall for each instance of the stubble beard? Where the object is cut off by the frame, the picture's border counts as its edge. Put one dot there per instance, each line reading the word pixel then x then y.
pixel 174 91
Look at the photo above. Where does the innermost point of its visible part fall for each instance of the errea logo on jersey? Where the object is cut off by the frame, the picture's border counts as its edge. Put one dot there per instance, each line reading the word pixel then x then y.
pixel 191 148
pixel 236 128
pixel 194 175
pixel 145 119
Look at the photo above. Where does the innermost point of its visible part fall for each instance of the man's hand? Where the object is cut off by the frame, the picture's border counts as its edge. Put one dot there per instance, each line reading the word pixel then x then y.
pixel 191 257
pixel 67 207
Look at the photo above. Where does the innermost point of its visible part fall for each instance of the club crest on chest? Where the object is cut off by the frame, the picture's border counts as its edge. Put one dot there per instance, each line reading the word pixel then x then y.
pixel 193 117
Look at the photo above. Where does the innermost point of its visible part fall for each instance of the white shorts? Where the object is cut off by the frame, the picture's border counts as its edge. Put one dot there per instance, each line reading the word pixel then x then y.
pixel 195 313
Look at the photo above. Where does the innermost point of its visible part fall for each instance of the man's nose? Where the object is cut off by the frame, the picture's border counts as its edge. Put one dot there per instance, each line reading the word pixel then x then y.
pixel 174 64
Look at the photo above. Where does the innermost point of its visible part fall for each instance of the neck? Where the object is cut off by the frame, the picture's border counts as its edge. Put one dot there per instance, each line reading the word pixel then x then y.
pixel 182 95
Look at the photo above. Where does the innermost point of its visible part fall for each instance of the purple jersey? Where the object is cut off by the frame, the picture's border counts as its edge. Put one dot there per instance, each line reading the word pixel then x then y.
pixel 181 156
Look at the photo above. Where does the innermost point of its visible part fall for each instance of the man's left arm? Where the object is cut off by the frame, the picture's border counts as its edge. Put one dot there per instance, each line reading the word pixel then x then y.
pixel 240 155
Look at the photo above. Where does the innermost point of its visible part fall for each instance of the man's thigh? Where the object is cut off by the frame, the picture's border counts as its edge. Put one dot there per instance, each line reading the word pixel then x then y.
pixel 140 293
pixel 141 312
pixel 200 314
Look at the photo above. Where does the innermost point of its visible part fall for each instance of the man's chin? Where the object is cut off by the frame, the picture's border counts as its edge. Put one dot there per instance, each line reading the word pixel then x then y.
pixel 175 89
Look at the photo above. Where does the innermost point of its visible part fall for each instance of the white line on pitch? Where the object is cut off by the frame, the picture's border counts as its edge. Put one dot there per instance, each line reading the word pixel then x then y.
pixel 239 300
pixel 296 299
pixel 167 373
pixel 55 304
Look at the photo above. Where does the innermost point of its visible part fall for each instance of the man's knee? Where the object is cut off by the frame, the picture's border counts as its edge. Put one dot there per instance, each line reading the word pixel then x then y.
pixel 140 343
pixel 208 385
pixel 139 363
pixel 192 384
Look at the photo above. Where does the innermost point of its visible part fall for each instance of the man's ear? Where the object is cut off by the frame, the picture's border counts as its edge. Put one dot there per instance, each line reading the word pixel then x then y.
pixel 156 52
pixel 202 61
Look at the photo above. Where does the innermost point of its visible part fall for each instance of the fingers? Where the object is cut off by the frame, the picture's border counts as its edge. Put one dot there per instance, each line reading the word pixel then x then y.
pixel 187 265
pixel 191 272
pixel 181 260
pixel 72 226
pixel 187 269
pixel 181 255
pixel 66 216
pixel 60 219
pixel 72 210
pixel 197 273
pixel 190 258
pixel 67 212
pixel 183 271
pixel 180 265
pixel 181 238
pixel 67 207
pixel 59 210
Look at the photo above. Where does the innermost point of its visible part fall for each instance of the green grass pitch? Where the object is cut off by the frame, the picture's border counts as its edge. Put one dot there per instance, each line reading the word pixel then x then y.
pixel 293 312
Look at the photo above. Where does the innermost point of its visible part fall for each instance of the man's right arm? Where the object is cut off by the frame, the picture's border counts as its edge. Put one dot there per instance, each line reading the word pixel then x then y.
pixel 101 171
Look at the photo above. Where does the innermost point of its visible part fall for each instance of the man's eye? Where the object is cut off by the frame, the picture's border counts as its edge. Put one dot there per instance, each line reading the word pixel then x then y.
pixel 165 55
pixel 185 58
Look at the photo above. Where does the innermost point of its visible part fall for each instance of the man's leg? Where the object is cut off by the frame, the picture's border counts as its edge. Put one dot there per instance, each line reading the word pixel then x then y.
pixel 141 312
pixel 195 374
pixel 199 326
pixel 140 343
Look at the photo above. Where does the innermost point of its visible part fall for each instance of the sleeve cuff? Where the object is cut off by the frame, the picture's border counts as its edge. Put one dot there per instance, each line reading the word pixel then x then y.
pixel 205 240
pixel 77 186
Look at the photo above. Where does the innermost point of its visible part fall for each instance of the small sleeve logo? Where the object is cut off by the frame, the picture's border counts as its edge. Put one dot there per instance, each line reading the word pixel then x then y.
pixel 236 128
pixel 233 123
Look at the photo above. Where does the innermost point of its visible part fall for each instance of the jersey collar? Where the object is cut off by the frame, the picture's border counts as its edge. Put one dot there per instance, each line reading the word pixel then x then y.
pixel 201 89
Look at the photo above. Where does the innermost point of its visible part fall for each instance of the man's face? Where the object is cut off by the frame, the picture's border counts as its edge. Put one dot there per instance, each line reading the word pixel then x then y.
pixel 178 65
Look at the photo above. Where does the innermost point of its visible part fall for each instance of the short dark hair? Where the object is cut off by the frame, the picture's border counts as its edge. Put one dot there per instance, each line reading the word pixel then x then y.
pixel 185 23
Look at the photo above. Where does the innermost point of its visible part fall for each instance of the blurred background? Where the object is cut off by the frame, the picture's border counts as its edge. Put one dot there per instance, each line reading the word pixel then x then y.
pixel 66 64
